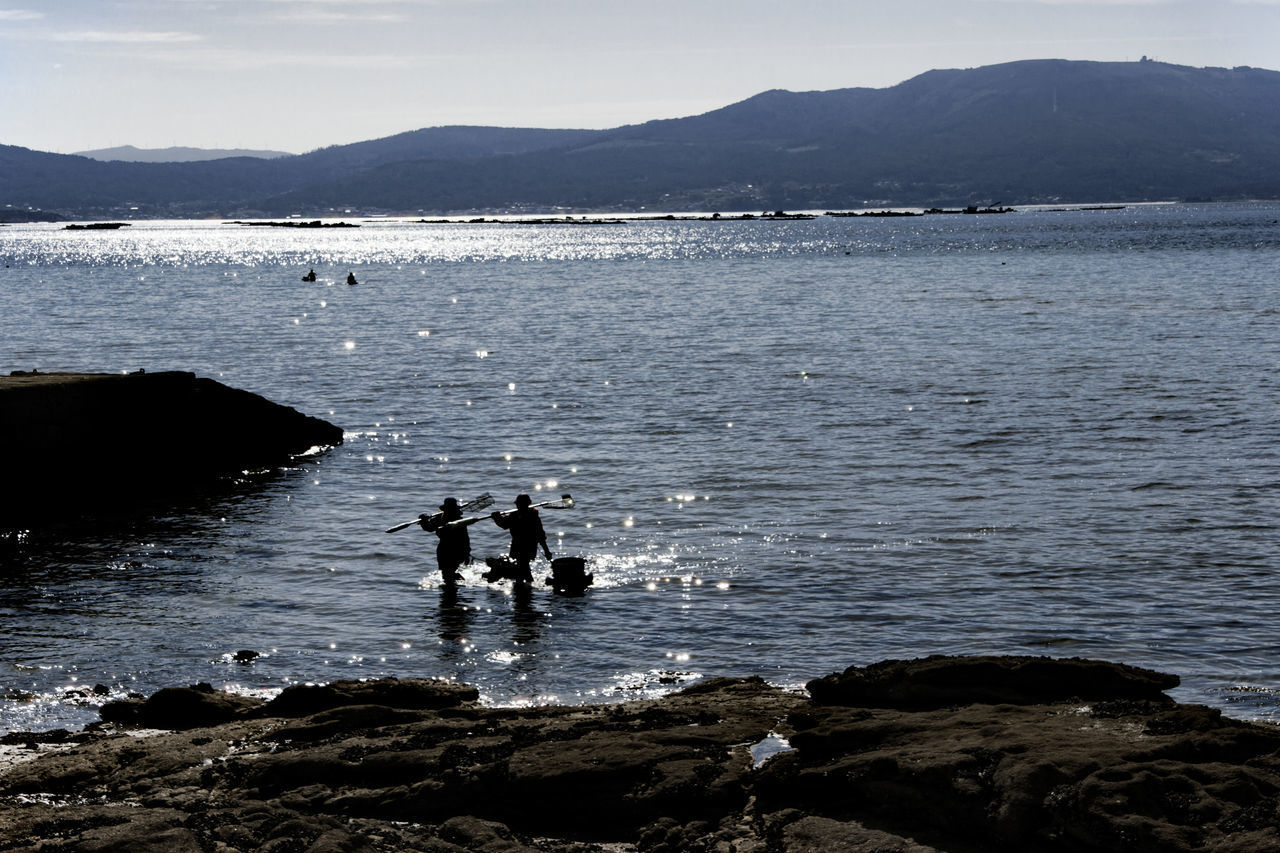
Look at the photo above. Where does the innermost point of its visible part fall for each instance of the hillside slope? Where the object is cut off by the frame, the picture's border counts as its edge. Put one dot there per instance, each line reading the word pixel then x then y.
pixel 1032 131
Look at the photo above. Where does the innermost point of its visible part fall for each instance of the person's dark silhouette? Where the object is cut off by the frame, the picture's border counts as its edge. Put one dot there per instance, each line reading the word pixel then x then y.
pixel 454 547
pixel 311 276
pixel 351 278
pixel 527 535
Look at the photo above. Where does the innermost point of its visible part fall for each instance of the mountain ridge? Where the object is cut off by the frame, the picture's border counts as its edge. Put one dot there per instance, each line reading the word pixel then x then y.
pixel 1033 131
pixel 175 154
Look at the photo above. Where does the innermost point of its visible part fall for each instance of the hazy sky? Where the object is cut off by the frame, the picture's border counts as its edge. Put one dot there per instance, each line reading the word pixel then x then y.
pixel 296 75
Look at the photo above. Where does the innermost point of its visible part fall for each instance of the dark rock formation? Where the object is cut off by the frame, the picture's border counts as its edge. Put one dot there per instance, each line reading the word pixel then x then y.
pixel 83 440
pixel 179 708
pixel 412 765
pixel 939 681
pixel 413 693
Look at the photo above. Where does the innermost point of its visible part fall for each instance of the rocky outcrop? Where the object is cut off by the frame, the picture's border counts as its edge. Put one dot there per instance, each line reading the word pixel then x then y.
pixel 416 765
pixel 940 681
pixel 77 441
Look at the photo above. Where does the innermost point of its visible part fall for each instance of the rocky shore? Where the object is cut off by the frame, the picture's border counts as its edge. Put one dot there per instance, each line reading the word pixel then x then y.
pixel 937 754
pixel 88 440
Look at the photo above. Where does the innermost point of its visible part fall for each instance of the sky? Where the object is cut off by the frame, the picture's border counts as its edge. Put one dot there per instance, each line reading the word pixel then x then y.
pixel 297 75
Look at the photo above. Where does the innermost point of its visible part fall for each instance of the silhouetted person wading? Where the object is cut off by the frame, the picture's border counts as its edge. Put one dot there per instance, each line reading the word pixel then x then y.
pixel 527 535
pixel 454 547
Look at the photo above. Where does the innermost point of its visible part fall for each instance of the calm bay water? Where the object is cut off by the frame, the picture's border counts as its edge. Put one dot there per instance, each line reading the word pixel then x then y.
pixel 795 447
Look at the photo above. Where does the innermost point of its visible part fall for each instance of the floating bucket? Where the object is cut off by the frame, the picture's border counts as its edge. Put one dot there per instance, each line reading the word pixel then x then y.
pixel 569 574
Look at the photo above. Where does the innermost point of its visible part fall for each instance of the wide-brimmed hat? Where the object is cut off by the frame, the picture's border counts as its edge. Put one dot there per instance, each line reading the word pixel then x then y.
pixel 449 503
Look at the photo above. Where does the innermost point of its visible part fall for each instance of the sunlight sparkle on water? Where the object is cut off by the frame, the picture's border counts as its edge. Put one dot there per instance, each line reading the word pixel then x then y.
pixel 504 657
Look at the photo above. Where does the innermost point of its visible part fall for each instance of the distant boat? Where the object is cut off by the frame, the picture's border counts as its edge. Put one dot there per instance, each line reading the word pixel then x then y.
pixel 96 226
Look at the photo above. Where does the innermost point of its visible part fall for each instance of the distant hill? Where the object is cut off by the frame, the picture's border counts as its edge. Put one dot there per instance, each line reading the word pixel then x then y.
pixel 130 154
pixel 1015 133
pixel 8 216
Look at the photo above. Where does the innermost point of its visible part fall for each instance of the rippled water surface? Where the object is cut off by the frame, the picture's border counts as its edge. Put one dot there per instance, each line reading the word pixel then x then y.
pixel 794 447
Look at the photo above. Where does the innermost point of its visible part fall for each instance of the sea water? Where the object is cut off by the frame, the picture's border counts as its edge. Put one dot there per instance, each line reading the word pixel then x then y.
pixel 794 446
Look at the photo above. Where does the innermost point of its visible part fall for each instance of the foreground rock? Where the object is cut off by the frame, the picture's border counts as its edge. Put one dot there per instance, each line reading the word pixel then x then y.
pixel 89 440
pixel 1014 761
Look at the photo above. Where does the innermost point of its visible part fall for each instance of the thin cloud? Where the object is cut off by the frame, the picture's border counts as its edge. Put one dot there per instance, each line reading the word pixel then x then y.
pixel 324 16
pixel 124 37
pixel 20 15
pixel 257 3
pixel 1090 2
pixel 349 3
pixel 221 58
pixel 365 2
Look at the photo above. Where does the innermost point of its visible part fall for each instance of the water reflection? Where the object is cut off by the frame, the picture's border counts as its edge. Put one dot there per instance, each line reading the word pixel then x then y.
pixel 526 619
pixel 13 543
pixel 162 537
pixel 453 622
pixel 103 597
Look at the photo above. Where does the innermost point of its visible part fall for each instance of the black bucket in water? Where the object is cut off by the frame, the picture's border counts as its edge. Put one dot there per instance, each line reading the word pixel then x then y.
pixel 569 575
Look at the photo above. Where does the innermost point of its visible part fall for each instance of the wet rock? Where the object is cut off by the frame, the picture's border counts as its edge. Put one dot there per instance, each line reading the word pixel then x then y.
pixel 144 837
pixel 95 440
pixel 403 765
pixel 415 693
pixel 470 833
pixel 180 708
pixel 808 832
pixel 940 681
pixel 1047 776
pixel 340 841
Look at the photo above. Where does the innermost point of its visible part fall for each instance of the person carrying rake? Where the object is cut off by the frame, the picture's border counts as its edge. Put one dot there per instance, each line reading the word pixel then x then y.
pixel 527 535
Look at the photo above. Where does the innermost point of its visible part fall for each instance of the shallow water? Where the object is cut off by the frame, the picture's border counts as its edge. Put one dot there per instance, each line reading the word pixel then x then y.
pixel 794 447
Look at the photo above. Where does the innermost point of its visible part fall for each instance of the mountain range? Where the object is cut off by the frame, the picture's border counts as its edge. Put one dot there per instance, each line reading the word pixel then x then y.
pixel 1036 131
pixel 176 154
